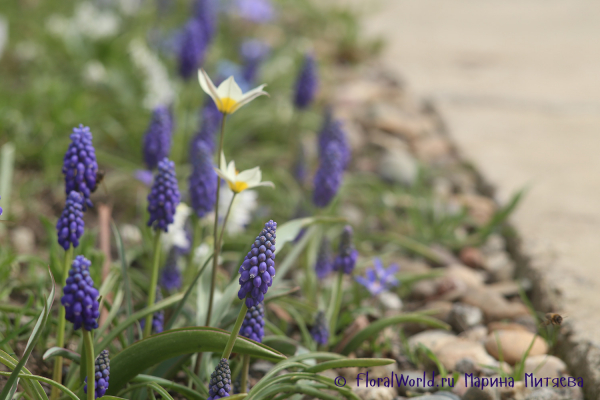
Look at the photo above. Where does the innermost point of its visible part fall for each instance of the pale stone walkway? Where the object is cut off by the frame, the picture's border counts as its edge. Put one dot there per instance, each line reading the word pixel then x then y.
pixel 518 82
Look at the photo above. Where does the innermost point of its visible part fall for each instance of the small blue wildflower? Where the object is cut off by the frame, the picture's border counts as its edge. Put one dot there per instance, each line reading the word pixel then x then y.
pixel 328 178
pixel 220 381
pixel 346 258
pixel 258 269
pixel 320 330
pixel 253 326
pixel 170 278
pixel 257 11
pixel 80 298
pixel 164 196
pixel 158 137
pixel 379 278
pixel 192 48
pixel 102 367
pixel 203 181
pixel 158 318
pixel 307 83
pixel 69 226
pixel 205 12
pixel 79 165
pixel 324 264
pixel 211 120
pixel 332 131
pixel 253 52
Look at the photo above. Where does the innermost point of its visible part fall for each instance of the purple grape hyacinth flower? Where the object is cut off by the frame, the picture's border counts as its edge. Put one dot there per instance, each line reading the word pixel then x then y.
pixel 324 264
pixel 253 52
pixel 164 196
pixel 0 208
pixel 211 119
pixel 170 278
pixel 80 165
pixel 102 369
pixel 258 269
pixel 328 178
pixel 69 226
pixel 346 258
pixel 257 11
pixel 158 318
pixel 320 330
pixel 144 175
pixel 307 83
pixel 203 181
pixel 253 326
pixel 379 278
pixel 158 137
pixel 205 12
pixel 220 381
pixel 332 131
pixel 80 298
pixel 192 48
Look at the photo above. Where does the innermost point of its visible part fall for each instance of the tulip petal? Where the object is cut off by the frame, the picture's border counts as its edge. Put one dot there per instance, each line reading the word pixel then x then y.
pixel 209 87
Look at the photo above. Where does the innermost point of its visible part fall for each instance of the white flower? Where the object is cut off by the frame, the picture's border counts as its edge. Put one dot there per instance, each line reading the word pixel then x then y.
pixel 176 235
pixel 242 208
pixel 228 96
pixel 159 90
pixel 240 181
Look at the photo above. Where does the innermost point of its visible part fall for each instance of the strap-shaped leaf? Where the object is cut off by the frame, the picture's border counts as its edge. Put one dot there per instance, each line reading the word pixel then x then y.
pixel 62 352
pixel 187 392
pixel 28 376
pixel 157 348
pixel 34 388
pixel 350 362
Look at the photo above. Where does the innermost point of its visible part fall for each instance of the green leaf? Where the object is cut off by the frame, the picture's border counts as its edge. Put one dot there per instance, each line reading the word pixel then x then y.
pixel 13 379
pixel 111 398
pixel 64 389
pixel 283 344
pixel 187 392
pixel 32 388
pixel 379 325
pixel 433 357
pixel 157 348
pixel 350 362
pixel 290 230
pixel 160 390
pixel 125 279
pixel 62 352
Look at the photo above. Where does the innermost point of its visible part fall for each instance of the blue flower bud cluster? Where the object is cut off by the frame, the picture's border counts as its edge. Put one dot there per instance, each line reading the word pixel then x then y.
pixel 102 367
pixel 164 196
pixel 80 298
pixel 203 181
pixel 170 278
pixel 258 269
pixel 211 118
pixel 158 137
pixel 253 326
pixel 332 131
pixel 192 48
pixel 70 224
pixel 220 381
pixel 253 52
pixel 80 165
pixel 324 264
pixel 307 83
pixel 320 330
pixel 347 256
pixel 328 178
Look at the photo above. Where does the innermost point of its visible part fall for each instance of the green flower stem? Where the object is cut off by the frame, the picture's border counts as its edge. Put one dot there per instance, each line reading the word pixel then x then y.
pixel 235 331
pixel 216 249
pixel 60 338
pixel 225 221
pixel 244 378
pixel 153 283
pixel 336 296
pixel 90 360
pixel 197 237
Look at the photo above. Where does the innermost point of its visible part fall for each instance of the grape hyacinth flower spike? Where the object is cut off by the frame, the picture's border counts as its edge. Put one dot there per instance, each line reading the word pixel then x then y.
pixel 203 181
pixel 157 140
pixel 332 131
pixel 69 227
pixel 379 278
pixel 324 264
pixel 220 381
pixel 205 12
pixel 228 96
pixel 307 83
pixel 320 330
pixel 328 178
pixel 158 318
pixel 192 48
pixel 164 196
pixel 253 53
pixel 347 256
pixel 102 368
pixel 253 326
pixel 170 278
pixel 211 117
pixel 80 298
pixel 258 269
pixel 79 165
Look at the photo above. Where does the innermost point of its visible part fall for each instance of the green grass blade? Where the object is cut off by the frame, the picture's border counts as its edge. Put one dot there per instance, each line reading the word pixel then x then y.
pixel 34 389
pixel 350 362
pixel 433 358
pixel 125 279
pixel 62 352
pixel 185 391
pixel 27 376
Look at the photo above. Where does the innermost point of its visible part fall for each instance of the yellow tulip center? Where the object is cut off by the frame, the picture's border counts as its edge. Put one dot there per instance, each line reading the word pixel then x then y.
pixel 238 186
pixel 227 105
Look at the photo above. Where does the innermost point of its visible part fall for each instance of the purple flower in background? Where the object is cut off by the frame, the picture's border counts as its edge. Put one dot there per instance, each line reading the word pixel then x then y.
pixel 226 68
pixel 253 326
pixel 211 119
pixel 158 318
pixel 203 180
pixel 332 131
pixel 102 373
pixel 79 165
pixel 300 168
pixel 164 196
pixel 144 175
pixel 0 208
pixel 346 258
pixel 158 137
pixel 69 227
pixel 379 278
pixel 192 48
pixel 320 330
pixel 80 298
pixel 328 178
pixel 253 52
pixel 220 381
pixel 170 278
pixel 205 12
pixel 307 83
pixel 257 11
pixel 258 269
pixel 324 264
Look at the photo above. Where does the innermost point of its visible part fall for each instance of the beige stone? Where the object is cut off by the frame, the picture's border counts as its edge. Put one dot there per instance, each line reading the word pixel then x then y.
pixel 514 344
pixel 494 306
pixel 434 339
pixel 456 350
pixel 547 366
